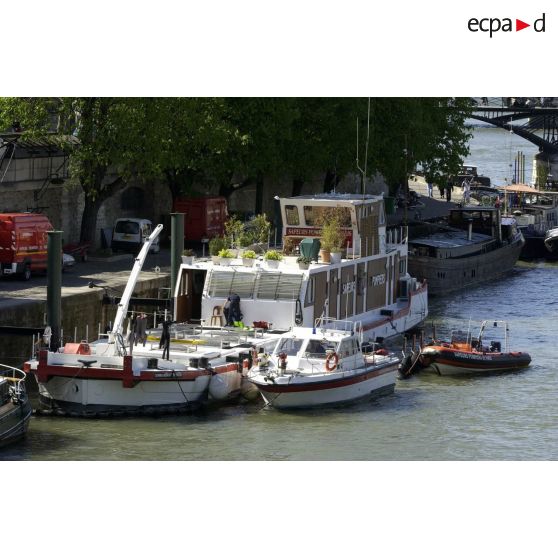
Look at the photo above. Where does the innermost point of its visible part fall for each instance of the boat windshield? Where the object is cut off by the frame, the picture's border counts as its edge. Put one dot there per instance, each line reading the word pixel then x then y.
pixel 316 348
pixel 460 337
pixel 290 346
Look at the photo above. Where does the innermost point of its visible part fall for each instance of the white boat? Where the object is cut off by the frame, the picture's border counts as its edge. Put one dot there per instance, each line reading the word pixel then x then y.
pixel 325 365
pixel 221 350
pixel 369 284
pixel 15 409
pixel 101 378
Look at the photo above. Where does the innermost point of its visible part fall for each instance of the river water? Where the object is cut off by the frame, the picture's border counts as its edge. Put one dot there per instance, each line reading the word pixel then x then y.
pixel 504 417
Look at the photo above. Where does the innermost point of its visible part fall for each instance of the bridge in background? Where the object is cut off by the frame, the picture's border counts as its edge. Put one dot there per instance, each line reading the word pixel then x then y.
pixel 533 120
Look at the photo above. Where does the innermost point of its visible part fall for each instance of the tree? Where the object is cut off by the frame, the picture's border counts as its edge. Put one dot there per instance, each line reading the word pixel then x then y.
pixel 236 142
pixel 193 143
pixel 265 126
pixel 107 140
pixel 407 132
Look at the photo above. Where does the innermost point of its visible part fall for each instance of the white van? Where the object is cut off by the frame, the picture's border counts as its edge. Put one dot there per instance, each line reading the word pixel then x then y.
pixel 130 233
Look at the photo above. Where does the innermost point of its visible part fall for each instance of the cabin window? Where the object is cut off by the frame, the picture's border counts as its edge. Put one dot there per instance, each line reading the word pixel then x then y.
pixel 279 286
pixel 291 213
pixel 316 348
pixel 311 291
pixel 402 266
pixel 288 346
pixel 223 283
pixel 316 216
pixel 347 348
pixel 360 283
pixel 243 284
pixel 185 284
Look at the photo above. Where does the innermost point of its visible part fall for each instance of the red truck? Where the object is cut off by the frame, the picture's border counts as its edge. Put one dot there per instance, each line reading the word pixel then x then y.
pixel 203 217
pixel 23 243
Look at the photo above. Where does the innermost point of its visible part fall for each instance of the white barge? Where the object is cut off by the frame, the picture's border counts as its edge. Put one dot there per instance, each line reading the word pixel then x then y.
pixel 370 283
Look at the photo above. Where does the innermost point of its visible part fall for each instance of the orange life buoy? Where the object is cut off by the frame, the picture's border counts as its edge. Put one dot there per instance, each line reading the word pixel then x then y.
pixel 331 362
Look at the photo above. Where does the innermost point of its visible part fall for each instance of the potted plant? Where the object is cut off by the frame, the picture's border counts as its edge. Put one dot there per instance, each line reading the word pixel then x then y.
pixel 216 244
pixel 272 258
pixel 331 242
pixel 248 258
pixel 225 256
pixel 188 257
pixel 304 262
pixel 233 231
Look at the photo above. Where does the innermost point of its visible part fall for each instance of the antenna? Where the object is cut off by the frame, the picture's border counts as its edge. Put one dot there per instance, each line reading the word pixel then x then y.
pixel 366 149
pixel 363 171
pixel 405 187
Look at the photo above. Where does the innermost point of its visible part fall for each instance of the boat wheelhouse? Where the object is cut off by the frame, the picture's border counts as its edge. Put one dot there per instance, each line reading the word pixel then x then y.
pixel 370 283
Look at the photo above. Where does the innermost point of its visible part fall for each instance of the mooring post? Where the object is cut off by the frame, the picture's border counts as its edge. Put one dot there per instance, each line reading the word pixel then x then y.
pixel 54 286
pixel 177 246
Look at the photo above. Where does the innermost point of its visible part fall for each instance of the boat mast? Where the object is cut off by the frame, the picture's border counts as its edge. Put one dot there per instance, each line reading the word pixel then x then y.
pixel 130 286
pixel 364 171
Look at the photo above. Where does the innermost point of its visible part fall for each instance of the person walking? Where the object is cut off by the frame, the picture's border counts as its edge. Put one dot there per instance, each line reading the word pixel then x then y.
pixel 429 189
pixel 164 342
pixel 449 188
pixel 466 192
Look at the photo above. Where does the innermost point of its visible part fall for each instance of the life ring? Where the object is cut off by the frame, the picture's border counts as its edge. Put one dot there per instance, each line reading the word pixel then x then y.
pixel 331 362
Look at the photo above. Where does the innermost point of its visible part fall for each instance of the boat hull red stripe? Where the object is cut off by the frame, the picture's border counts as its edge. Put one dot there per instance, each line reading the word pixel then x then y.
pixel 326 384
pixel 44 373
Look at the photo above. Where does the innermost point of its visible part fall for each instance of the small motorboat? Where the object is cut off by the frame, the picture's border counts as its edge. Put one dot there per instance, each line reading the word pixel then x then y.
pixel 324 365
pixel 465 354
pixel 15 409
pixel 551 240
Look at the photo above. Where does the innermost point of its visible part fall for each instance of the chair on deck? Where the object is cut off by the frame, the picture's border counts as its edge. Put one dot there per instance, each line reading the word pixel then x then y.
pixel 217 318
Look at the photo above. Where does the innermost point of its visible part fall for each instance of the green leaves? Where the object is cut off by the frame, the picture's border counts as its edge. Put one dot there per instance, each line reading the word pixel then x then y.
pixel 233 142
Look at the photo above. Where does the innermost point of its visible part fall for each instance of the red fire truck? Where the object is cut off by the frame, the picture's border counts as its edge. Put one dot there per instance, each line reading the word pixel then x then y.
pixel 23 243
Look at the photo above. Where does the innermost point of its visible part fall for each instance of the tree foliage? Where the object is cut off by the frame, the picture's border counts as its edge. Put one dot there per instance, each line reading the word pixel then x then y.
pixel 235 142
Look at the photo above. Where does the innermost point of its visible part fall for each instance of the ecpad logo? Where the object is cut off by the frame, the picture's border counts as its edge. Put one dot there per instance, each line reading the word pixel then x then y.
pixel 493 25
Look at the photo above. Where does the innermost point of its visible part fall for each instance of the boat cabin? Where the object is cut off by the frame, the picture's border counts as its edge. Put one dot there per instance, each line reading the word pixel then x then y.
pixel 371 276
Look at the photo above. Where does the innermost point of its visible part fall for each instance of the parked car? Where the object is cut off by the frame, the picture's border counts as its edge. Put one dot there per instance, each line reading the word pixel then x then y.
pixel 130 233
pixel 67 261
